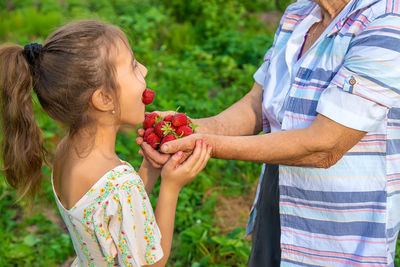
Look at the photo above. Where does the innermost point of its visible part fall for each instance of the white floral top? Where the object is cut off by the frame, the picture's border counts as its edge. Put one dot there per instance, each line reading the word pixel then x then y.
pixel 113 224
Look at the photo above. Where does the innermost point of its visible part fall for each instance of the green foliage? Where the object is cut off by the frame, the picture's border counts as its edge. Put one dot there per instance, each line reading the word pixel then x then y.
pixel 201 56
pixel 29 239
pixel 212 249
pixel 282 4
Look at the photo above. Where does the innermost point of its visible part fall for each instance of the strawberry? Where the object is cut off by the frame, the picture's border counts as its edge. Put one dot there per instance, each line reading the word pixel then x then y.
pixel 162 128
pixel 150 120
pixel 184 130
pixel 148 96
pixel 167 138
pixel 168 118
pixel 153 140
pixel 179 119
pixel 147 133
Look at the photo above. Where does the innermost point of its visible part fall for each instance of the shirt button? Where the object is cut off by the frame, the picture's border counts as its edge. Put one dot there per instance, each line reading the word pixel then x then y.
pixel 352 81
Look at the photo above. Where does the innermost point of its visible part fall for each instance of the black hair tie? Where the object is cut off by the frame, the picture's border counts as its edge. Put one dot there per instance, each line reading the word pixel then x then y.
pixel 32 52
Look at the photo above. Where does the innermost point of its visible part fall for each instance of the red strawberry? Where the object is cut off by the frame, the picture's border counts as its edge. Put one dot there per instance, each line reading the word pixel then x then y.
pixel 149 120
pixel 179 119
pixel 153 140
pixel 184 130
pixel 148 96
pixel 168 118
pixel 147 133
pixel 167 138
pixel 162 128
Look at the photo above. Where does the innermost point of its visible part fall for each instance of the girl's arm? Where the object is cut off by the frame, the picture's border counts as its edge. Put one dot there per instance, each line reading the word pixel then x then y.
pixel 149 175
pixel 173 177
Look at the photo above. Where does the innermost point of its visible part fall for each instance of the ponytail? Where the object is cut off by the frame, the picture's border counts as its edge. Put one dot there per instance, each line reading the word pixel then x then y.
pixel 22 142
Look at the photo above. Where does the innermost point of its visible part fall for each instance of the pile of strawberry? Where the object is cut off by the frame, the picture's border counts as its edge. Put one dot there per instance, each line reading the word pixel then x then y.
pixel 160 130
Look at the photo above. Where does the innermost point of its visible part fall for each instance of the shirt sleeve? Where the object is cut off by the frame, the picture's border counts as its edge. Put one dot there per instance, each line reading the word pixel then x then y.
pixel 134 237
pixel 350 110
pixel 367 85
pixel 261 73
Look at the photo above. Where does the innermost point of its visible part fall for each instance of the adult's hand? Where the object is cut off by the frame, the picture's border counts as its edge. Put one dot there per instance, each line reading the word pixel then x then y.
pixel 156 158
pixel 185 144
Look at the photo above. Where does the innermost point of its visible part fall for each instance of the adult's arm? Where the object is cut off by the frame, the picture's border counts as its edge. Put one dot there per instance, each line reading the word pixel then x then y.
pixel 242 118
pixel 321 144
pixel 357 100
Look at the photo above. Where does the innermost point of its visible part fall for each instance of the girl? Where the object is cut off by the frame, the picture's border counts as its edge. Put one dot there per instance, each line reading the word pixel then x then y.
pixel 86 77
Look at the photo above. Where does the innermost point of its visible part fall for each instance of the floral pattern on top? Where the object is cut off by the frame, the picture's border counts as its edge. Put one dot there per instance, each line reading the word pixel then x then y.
pixel 113 224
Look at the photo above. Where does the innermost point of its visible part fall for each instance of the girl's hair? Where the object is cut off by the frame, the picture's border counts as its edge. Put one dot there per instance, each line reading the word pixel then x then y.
pixel 74 61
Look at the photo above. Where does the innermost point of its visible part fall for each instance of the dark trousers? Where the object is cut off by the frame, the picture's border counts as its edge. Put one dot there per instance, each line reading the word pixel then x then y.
pixel 266 250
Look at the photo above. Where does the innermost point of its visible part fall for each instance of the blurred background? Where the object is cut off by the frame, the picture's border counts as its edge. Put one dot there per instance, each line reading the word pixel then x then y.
pixel 201 56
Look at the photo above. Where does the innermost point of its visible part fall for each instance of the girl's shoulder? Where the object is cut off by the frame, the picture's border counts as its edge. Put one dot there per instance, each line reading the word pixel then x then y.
pixel 114 180
pixel 122 176
pixel 109 185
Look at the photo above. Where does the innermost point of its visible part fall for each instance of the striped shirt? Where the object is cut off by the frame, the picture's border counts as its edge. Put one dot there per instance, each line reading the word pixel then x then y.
pixel 348 214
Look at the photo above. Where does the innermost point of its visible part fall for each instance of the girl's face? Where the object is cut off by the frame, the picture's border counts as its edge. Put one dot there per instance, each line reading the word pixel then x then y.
pixel 130 77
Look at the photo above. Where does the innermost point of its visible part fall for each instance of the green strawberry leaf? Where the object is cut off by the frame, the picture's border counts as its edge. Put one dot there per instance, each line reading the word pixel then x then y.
pixel 193 126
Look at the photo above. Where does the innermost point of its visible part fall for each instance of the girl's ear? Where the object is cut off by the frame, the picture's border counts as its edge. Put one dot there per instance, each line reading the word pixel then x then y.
pixel 102 100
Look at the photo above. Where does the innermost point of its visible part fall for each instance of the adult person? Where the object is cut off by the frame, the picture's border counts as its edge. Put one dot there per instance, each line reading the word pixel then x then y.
pixel 327 98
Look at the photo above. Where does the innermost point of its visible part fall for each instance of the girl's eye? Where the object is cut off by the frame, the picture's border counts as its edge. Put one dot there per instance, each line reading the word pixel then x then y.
pixel 137 71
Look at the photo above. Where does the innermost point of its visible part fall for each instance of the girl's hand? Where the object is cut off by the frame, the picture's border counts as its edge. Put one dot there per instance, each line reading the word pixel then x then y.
pixel 178 175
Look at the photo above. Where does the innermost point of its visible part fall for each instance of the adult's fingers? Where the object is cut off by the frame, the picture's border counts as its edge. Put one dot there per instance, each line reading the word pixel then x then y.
pixel 154 155
pixel 152 162
pixel 141 131
pixel 162 114
pixel 139 141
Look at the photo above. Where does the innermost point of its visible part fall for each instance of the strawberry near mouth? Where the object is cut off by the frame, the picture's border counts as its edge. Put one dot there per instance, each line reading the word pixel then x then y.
pixel 148 96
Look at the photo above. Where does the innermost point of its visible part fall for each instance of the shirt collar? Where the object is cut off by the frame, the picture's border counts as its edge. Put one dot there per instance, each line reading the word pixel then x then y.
pixel 356 5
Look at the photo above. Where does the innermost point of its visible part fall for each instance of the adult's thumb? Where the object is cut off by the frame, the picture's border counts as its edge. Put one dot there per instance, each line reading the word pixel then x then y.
pixel 181 144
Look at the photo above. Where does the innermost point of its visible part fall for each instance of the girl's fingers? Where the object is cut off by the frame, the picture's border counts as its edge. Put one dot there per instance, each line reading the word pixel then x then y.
pixel 198 163
pixel 173 162
pixel 191 161
pixel 207 157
